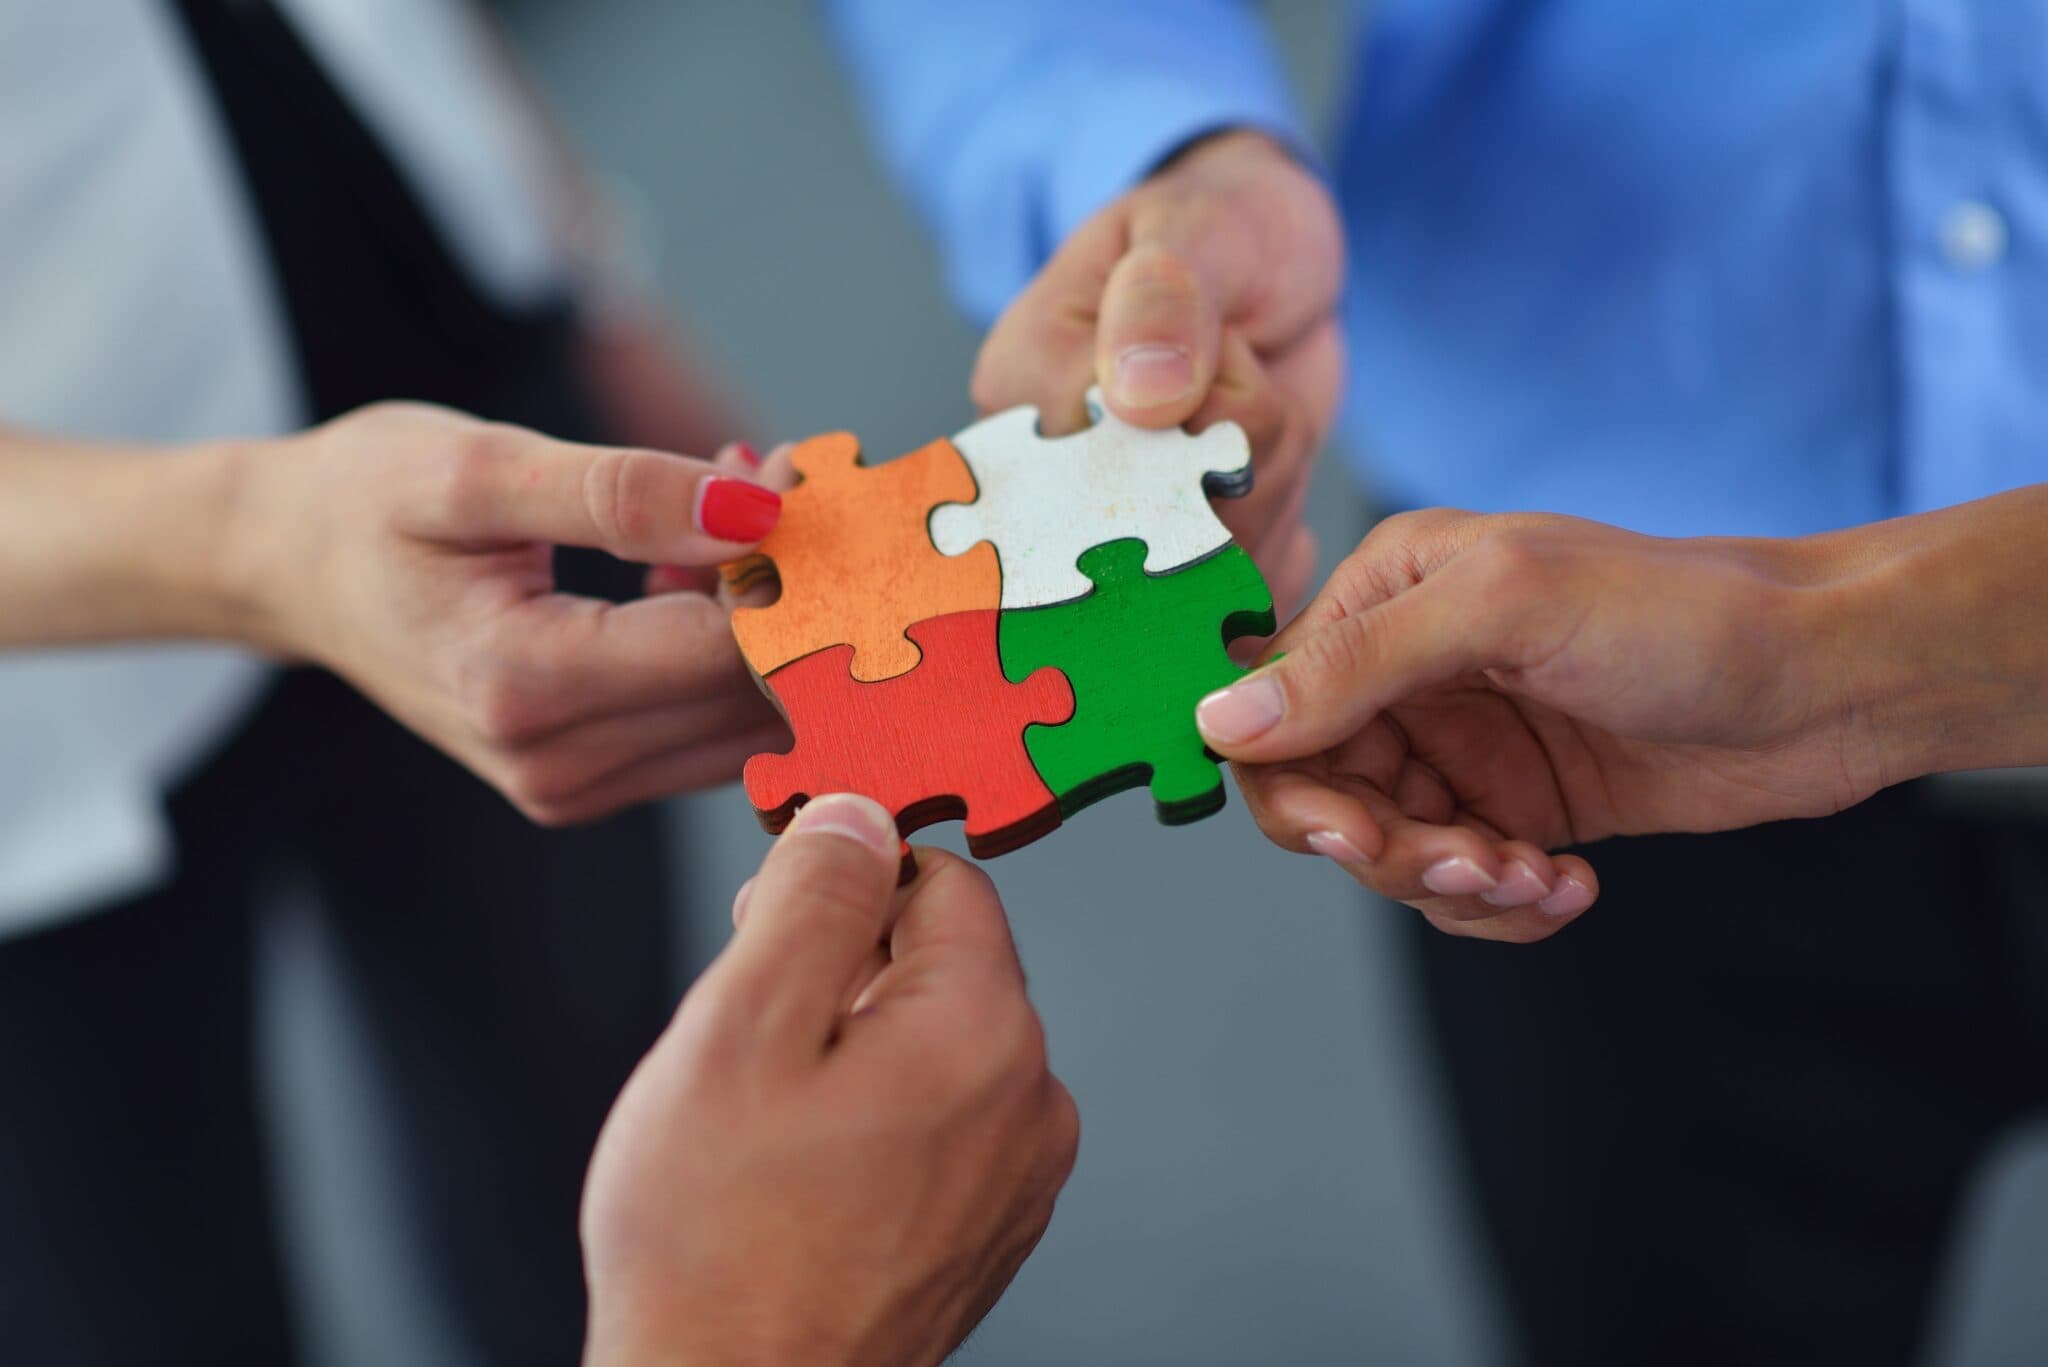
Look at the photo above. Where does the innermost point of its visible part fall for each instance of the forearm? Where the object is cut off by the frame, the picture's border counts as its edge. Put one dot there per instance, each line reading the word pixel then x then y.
pixel 102 543
pixel 1942 633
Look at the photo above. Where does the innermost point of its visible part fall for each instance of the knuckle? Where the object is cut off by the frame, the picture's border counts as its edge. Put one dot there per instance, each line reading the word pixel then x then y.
pixel 464 480
pixel 1019 1054
pixel 1061 1129
pixel 953 880
pixel 999 1053
pixel 1151 275
pixel 501 709
pixel 1332 661
pixel 608 500
pixel 1405 527
pixel 1513 558
pixel 634 498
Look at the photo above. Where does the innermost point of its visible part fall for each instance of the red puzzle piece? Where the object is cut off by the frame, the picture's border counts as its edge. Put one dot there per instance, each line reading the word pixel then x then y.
pixel 944 741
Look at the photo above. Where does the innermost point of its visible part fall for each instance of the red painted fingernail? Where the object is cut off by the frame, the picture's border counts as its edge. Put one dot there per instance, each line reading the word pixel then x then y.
pixel 734 510
pixel 748 453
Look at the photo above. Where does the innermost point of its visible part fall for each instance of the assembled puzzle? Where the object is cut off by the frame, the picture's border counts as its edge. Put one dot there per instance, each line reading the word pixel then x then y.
pixel 1002 628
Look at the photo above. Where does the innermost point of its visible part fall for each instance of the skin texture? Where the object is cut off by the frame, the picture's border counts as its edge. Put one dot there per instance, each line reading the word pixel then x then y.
pixel 1208 292
pixel 409 548
pixel 1470 692
pixel 848 1140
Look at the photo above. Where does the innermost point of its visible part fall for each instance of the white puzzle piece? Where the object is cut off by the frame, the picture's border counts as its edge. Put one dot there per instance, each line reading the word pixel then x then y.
pixel 1045 500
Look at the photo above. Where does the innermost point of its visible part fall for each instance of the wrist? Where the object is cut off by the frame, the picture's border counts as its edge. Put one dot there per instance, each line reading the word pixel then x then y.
pixel 1934 628
pixel 216 564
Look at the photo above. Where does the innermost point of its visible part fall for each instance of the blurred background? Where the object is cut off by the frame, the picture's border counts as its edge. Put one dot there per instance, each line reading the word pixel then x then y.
pixel 1264 1174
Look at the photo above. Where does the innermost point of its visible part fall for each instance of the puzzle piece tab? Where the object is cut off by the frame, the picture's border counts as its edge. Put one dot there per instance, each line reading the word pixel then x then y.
pixel 855 562
pixel 945 740
pixel 1140 650
pixel 1046 500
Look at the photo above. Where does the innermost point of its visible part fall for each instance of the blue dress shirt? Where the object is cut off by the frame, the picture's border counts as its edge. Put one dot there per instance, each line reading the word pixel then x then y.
pixel 1742 266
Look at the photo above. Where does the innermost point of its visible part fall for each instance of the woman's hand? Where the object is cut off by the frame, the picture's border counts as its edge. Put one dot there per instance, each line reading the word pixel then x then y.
pixel 848 1140
pixel 1469 693
pixel 409 549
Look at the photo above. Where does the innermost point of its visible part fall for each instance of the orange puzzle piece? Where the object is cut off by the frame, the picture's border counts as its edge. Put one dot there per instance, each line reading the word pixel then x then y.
pixel 944 741
pixel 849 524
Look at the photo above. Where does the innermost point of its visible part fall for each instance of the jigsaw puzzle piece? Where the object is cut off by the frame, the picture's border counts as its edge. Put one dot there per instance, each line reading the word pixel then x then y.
pixel 1140 651
pixel 1046 500
pixel 944 741
pixel 855 562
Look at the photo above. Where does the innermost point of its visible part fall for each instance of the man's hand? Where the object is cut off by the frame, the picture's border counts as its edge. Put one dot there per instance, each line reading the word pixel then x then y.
pixel 1470 692
pixel 848 1140
pixel 409 549
pixel 1207 293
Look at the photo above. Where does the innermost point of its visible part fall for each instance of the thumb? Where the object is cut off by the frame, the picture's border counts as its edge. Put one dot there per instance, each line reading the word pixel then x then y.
pixel 1334 680
pixel 823 900
pixel 507 484
pixel 1158 338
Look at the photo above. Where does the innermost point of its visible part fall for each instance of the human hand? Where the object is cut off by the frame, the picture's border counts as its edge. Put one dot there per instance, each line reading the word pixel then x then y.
pixel 409 549
pixel 1468 693
pixel 1208 293
pixel 848 1140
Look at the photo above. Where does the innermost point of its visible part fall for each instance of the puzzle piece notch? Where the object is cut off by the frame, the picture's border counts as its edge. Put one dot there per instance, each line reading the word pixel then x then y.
pixel 1140 651
pixel 942 742
pixel 855 562
pixel 1045 500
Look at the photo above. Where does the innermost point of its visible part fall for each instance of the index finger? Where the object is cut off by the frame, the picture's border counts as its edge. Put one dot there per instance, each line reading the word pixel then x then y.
pixel 950 951
pixel 506 484
pixel 951 913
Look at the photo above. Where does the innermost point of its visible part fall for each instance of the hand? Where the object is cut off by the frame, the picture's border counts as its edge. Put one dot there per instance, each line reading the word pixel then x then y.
pixel 409 549
pixel 1207 293
pixel 1469 692
pixel 848 1140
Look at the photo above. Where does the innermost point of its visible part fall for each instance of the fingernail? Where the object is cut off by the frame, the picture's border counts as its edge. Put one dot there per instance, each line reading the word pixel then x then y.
pixel 747 452
pixel 1152 373
pixel 1244 711
pixel 1519 886
pixel 850 815
pixel 739 901
pixel 1457 877
pixel 1333 845
pixel 1569 899
pixel 735 510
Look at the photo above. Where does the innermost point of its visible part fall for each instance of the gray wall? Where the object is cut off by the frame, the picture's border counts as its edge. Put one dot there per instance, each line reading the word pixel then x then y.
pixel 1261 1178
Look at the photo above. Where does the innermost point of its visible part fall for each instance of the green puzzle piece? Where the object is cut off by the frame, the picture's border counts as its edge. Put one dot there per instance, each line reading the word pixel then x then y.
pixel 1140 651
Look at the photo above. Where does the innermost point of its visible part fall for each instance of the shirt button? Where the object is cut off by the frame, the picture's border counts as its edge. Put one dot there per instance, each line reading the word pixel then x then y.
pixel 1973 235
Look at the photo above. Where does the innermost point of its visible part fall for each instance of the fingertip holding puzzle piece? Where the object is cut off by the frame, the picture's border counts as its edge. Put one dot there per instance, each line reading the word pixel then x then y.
pixel 1001 628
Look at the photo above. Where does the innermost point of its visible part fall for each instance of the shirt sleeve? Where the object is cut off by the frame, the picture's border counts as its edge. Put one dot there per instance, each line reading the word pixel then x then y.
pixel 1009 122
